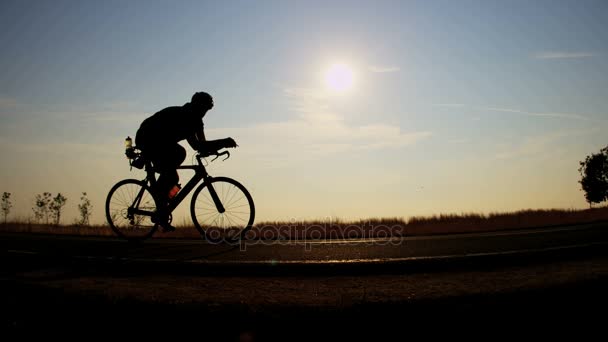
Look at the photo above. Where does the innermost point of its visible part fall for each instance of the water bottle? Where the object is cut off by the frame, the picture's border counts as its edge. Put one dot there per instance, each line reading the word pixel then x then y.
pixel 128 143
pixel 129 151
pixel 174 190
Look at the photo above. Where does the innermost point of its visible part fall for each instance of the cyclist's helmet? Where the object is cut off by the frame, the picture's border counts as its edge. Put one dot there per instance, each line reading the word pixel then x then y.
pixel 202 99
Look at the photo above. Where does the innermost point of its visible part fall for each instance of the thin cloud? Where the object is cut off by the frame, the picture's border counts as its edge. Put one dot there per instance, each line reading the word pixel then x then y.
pixel 563 55
pixel 8 106
pixel 105 149
pixel 7 102
pixel 384 69
pixel 537 145
pixel 116 112
pixel 305 100
pixel 318 121
pixel 113 117
pixel 315 132
pixel 529 147
pixel 310 139
pixel 447 105
pixel 542 115
pixel 459 141
pixel 549 115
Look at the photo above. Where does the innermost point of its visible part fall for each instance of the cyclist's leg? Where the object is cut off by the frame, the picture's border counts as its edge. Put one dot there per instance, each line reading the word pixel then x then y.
pixel 166 159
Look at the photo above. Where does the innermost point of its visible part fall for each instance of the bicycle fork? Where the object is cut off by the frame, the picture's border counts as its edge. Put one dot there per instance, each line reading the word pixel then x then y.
pixel 216 199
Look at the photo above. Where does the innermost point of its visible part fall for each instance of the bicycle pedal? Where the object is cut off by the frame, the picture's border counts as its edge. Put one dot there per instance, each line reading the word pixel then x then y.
pixel 168 228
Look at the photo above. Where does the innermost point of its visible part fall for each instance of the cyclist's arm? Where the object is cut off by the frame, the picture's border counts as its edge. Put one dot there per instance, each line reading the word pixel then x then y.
pixel 198 139
pixel 201 135
pixel 201 144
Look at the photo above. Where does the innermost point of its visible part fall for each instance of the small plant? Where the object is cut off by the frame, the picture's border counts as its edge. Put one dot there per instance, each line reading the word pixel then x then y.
pixel 6 204
pixel 56 206
pixel 41 207
pixel 85 208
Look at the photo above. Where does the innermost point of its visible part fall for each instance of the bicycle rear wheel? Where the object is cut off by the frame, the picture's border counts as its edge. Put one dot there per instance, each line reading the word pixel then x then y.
pixel 229 216
pixel 129 209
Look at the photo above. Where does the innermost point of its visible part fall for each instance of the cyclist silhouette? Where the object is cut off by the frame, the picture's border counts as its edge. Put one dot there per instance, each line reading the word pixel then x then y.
pixel 158 138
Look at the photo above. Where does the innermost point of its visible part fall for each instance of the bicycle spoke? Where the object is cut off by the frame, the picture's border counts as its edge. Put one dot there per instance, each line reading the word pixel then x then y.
pixel 241 216
pixel 127 194
pixel 210 205
pixel 208 200
pixel 231 197
pixel 228 217
pixel 221 193
pixel 240 206
pixel 236 201
pixel 228 197
pixel 203 216
pixel 207 208
pixel 122 197
pixel 239 212
pixel 216 217
pixel 226 193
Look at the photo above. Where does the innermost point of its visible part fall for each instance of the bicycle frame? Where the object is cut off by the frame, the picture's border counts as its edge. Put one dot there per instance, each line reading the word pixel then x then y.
pixel 200 173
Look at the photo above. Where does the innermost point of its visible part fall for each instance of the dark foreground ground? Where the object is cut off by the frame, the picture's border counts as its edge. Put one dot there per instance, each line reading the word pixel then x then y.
pixel 521 297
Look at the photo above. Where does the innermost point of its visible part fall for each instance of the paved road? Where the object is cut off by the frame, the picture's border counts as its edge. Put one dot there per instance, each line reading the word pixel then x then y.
pixel 380 251
pixel 45 291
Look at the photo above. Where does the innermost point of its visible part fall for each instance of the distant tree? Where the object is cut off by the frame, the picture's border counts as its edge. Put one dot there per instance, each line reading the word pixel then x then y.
pixel 6 204
pixel 41 207
pixel 594 176
pixel 85 209
pixel 56 206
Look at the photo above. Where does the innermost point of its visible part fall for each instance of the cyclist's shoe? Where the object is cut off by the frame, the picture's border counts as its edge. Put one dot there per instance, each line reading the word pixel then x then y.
pixel 167 227
pixel 163 223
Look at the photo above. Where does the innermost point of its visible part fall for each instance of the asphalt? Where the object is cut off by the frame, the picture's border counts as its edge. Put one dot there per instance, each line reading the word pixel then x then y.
pixel 546 280
pixel 337 253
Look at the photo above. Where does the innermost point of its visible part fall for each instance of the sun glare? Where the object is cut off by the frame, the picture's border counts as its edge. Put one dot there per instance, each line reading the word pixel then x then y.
pixel 339 78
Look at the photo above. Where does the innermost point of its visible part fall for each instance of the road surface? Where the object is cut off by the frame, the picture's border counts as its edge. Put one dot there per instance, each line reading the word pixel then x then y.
pixel 334 252
pixel 545 280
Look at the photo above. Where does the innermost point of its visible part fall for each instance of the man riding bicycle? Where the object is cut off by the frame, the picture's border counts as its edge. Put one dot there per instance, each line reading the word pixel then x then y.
pixel 158 138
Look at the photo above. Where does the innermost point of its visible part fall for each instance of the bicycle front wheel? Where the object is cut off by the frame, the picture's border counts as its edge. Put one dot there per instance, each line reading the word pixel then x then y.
pixel 129 209
pixel 222 210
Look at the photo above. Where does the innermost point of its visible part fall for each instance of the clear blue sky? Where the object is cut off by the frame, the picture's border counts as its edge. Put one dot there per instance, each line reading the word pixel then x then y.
pixel 456 106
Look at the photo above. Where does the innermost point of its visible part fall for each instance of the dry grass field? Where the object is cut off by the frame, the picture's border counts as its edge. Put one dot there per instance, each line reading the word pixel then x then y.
pixel 370 228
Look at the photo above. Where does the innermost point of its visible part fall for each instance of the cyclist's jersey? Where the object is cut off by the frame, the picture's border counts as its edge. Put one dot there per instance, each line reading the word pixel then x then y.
pixel 170 125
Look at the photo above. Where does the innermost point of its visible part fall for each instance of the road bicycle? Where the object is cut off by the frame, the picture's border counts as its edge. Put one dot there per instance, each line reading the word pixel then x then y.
pixel 222 209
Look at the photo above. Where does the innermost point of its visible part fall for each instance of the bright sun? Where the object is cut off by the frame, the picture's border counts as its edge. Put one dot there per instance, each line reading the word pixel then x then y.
pixel 339 78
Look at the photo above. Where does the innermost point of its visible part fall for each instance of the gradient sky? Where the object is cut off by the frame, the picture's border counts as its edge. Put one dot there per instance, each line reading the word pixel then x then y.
pixel 457 106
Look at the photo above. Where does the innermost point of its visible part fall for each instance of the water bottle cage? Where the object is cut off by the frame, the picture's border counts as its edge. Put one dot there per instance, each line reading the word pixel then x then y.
pixel 135 159
pixel 138 162
pixel 130 153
